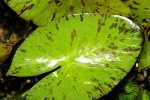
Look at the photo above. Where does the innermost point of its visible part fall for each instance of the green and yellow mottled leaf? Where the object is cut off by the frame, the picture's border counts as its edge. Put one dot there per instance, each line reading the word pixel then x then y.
pixel 42 12
pixel 141 14
pixel 94 51
pixel 140 11
pixel 144 58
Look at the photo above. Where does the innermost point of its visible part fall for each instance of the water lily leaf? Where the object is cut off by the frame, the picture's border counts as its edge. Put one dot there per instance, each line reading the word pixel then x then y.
pixel 94 51
pixel 141 14
pixel 140 10
pixel 43 12
pixel 75 83
pixel 108 42
pixel 144 58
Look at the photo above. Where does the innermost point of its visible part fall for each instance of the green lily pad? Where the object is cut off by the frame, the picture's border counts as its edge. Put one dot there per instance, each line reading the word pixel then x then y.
pixel 43 12
pixel 141 14
pixel 94 51
pixel 144 58
pixel 140 11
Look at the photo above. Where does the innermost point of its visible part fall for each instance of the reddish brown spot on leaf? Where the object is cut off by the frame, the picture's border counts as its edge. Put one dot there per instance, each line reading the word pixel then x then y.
pixel 114 25
pixel 135 2
pixel 73 35
pixel 149 37
pixel 123 70
pixel 131 7
pixel 49 38
pixel 81 17
pixel 57 1
pixel 71 8
pixel 112 46
pixel 109 85
pixel 27 8
pixel 83 3
pixel 147 8
pixel 99 26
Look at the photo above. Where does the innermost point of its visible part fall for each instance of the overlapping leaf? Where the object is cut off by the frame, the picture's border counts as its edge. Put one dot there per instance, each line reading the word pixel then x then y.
pixel 94 51
pixel 144 59
pixel 141 14
pixel 42 12
pixel 140 11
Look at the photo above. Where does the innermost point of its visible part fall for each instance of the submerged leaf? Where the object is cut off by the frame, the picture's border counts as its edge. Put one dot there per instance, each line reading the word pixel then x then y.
pixel 130 91
pixel 94 51
pixel 144 95
pixel 43 12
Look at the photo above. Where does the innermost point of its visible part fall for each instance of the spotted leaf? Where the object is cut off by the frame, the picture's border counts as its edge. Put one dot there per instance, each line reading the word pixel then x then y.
pixel 141 14
pixel 43 12
pixel 94 52
pixel 140 11
pixel 144 58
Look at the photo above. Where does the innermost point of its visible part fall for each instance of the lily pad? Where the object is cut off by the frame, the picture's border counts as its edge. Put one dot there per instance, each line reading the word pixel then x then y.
pixel 141 14
pixel 144 58
pixel 140 11
pixel 94 52
pixel 43 12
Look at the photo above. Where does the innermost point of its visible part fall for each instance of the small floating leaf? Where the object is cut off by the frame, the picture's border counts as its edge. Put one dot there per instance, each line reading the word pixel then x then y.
pixel 94 51
pixel 144 94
